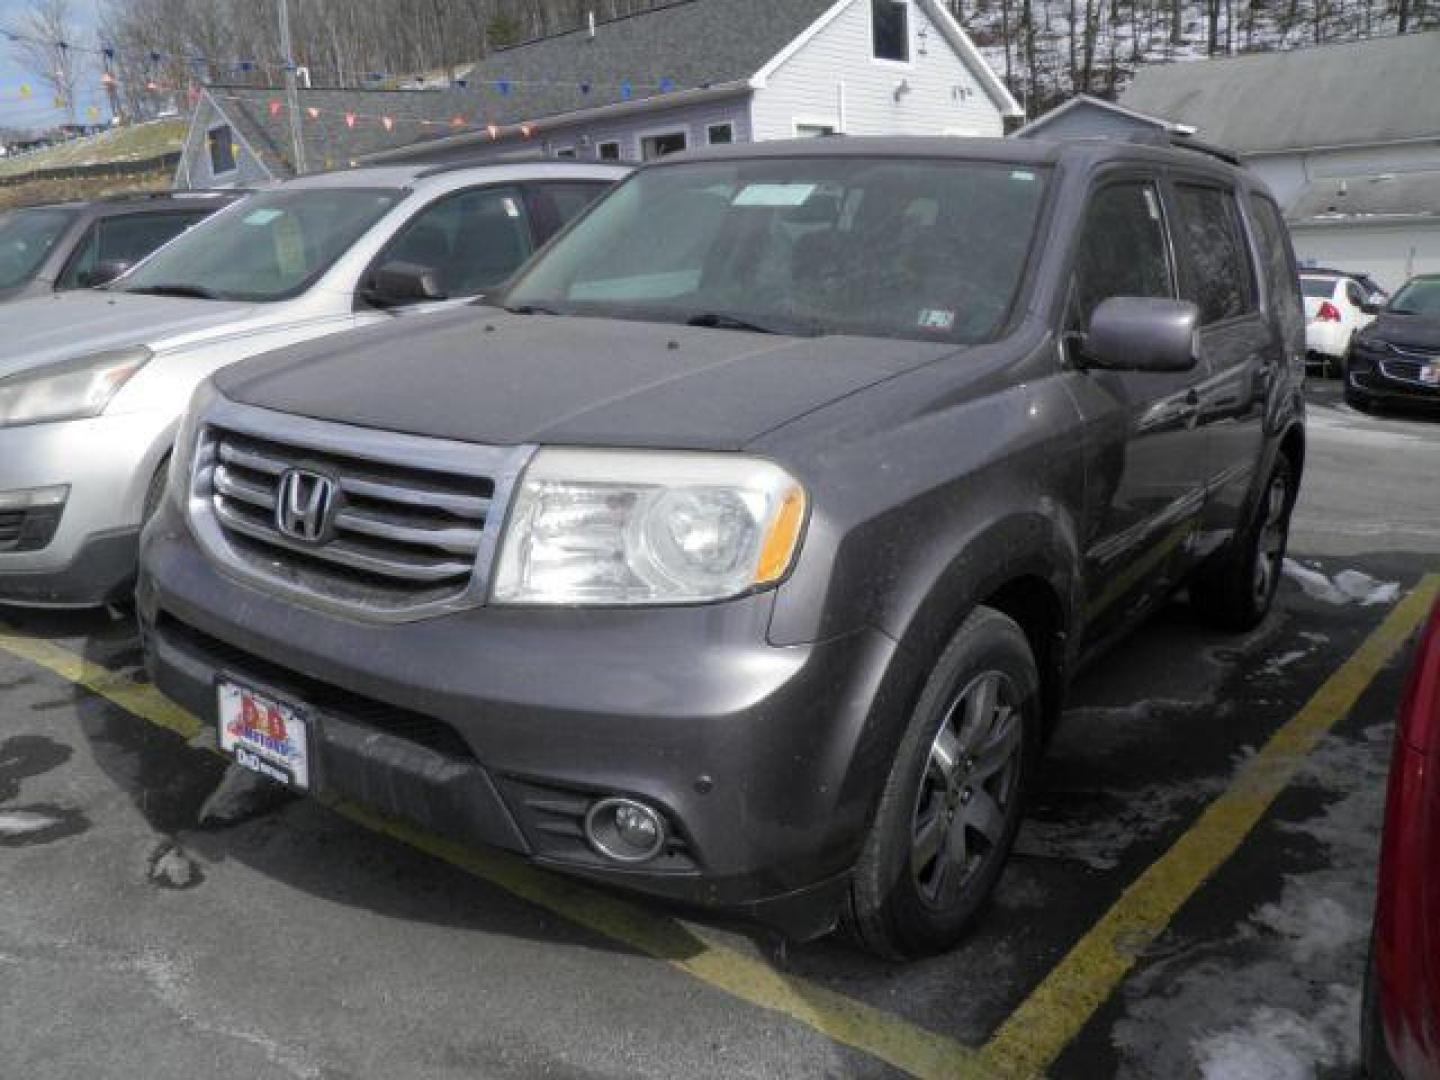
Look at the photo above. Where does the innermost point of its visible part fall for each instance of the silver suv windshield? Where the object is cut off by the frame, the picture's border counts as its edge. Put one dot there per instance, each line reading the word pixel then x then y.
pixel 930 249
pixel 26 237
pixel 270 246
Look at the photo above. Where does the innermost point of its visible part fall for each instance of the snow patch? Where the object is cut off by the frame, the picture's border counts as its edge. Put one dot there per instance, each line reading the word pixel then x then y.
pixel 1278 1044
pixel 1347 587
pixel 1276 664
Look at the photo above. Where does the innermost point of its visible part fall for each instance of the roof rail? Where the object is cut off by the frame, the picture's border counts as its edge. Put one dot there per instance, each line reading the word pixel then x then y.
pixel 179 193
pixel 1184 142
pixel 439 168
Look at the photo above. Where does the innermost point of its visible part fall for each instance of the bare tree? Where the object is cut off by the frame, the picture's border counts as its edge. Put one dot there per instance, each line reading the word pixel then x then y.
pixel 45 41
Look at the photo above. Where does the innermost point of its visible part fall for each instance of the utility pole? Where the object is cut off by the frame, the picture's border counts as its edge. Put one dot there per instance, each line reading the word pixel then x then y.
pixel 292 94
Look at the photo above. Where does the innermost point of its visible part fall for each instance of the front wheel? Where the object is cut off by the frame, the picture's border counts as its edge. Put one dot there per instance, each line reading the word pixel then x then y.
pixel 953 800
pixel 1237 589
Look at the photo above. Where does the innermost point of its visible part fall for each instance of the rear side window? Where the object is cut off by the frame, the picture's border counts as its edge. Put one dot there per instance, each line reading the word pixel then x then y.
pixel 1122 249
pixel 1354 294
pixel 475 239
pixel 1278 265
pixel 555 205
pixel 1219 278
pixel 124 239
pixel 1318 288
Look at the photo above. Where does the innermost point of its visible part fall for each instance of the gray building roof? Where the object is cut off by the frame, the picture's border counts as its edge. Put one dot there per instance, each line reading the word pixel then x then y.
pixel 1358 93
pixel 669 50
pixel 1401 198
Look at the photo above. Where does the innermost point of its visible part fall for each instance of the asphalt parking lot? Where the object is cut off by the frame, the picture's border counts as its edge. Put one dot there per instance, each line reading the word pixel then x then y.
pixel 1190 895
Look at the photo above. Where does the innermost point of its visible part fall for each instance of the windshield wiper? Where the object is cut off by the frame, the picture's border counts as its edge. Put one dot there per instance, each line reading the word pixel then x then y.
pixel 721 320
pixel 196 291
pixel 532 309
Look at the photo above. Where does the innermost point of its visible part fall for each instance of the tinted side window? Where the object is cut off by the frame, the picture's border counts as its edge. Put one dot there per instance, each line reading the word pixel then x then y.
pixel 554 205
pixel 1354 293
pixel 475 239
pixel 1281 277
pixel 1219 279
pixel 127 238
pixel 1122 249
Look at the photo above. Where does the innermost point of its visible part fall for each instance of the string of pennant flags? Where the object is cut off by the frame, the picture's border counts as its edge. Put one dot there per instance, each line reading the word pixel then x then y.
pixel 151 60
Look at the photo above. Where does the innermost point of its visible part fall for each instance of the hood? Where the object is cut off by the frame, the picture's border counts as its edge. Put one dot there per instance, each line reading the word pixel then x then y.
pixel 48 329
pixel 482 375
pixel 1406 331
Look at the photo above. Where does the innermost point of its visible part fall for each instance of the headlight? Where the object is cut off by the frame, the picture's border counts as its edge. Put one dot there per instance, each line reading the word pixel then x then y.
pixel 71 390
pixel 182 457
pixel 610 527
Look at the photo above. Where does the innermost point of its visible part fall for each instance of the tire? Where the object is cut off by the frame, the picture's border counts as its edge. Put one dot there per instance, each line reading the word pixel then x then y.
pixel 947 818
pixel 1236 590
pixel 1358 401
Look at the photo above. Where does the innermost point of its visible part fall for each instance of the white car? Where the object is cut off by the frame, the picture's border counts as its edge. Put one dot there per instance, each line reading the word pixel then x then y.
pixel 93 382
pixel 1336 308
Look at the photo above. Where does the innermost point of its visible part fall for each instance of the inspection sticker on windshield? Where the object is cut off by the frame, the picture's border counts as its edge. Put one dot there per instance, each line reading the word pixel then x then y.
pixel 936 319
pixel 264 735
pixel 261 217
pixel 773 194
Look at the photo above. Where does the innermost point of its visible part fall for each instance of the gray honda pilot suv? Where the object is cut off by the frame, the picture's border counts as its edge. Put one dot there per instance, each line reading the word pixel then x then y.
pixel 742 556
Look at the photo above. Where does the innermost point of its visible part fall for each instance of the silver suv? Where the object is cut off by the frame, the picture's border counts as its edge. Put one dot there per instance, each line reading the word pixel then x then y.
pixel 92 383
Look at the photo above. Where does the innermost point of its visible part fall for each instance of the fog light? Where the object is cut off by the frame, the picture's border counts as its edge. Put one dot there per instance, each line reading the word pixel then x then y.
pixel 625 830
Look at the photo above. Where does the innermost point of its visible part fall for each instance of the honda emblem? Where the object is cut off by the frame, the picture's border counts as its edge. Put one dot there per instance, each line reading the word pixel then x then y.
pixel 305 505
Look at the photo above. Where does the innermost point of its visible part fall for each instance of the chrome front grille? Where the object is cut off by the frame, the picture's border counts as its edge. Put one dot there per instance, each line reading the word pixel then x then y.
pixel 411 527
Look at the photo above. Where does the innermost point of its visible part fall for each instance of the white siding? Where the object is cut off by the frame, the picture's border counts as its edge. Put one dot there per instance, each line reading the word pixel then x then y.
pixel 1388 253
pixel 944 97
pixel 694 120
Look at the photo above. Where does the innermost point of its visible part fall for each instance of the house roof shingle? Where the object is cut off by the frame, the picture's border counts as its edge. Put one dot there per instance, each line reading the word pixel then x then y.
pixel 690 43
pixel 1364 92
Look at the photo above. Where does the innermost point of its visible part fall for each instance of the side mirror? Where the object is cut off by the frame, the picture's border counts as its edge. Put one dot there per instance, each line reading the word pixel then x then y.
pixel 1133 333
pixel 102 273
pixel 399 283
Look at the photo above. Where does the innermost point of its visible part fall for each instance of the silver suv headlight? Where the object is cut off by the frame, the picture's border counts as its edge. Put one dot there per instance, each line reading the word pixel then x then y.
pixel 608 527
pixel 69 390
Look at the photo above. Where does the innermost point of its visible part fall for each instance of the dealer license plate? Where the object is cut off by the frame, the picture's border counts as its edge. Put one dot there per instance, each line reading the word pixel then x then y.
pixel 265 735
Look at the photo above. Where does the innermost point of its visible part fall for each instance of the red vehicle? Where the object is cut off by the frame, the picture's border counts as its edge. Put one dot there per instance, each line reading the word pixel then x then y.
pixel 1401 1022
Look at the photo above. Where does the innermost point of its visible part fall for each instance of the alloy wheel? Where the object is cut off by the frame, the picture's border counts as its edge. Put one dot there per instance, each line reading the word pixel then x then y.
pixel 967 793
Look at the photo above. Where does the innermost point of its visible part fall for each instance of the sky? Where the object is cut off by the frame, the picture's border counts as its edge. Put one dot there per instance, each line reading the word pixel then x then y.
pixel 37 111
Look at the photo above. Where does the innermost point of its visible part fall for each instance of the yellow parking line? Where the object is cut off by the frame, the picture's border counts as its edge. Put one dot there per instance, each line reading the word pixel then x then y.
pixel 909 1047
pixel 1034 1035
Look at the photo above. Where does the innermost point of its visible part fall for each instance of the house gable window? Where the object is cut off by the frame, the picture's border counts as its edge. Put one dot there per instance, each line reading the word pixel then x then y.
pixel 222 150
pixel 720 134
pixel 890 30
pixel 608 151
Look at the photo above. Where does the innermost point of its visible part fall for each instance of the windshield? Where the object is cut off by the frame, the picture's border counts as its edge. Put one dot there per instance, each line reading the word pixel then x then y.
pixel 26 237
pixel 270 246
pixel 1420 296
pixel 886 247
pixel 1318 286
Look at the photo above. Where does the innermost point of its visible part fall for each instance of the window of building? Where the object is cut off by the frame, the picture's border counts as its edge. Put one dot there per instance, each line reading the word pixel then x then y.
pixel 1122 249
pixel 1218 278
pixel 565 153
pixel 720 134
pixel 657 146
pixel 222 150
pixel 608 151
pixel 890 29
pixel 805 130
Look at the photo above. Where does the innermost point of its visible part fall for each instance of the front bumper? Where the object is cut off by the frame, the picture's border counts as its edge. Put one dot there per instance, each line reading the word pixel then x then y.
pixel 1385 377
pixel 1326 338
pixel 107 463
pixel 502 726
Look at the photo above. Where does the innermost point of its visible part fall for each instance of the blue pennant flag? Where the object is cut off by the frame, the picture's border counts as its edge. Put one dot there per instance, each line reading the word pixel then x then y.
pixel 626 91
pixel 502 87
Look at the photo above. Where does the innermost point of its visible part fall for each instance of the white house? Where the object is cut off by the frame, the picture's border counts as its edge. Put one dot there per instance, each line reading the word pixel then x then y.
pixel 1346 135
pixel 685 74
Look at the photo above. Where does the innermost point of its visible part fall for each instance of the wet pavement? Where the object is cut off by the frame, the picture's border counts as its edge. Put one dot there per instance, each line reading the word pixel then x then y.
pixel 296 942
